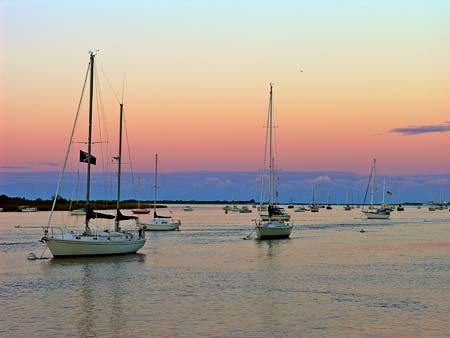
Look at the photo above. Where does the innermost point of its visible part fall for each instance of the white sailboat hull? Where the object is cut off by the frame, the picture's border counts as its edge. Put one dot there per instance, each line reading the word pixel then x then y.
pixel 273 230
pixel 160 226
pixel 376 215
pixel 71 245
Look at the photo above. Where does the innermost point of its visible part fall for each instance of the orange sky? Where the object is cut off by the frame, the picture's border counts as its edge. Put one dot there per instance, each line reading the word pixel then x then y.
pixel 197 79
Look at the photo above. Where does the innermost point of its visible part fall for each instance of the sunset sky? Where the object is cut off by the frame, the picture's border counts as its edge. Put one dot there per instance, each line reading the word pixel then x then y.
pixel 353 80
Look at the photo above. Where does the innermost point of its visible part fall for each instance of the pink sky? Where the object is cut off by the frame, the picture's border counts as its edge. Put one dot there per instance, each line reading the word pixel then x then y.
pixel 197 83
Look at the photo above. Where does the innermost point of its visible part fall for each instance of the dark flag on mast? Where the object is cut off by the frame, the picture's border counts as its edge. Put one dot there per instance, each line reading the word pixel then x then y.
pixel 84 158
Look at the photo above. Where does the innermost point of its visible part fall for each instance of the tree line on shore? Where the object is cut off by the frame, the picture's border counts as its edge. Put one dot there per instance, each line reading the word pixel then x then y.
pixel 17 203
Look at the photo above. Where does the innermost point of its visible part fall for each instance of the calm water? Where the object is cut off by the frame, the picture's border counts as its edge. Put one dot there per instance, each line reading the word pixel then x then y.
pixel 327 280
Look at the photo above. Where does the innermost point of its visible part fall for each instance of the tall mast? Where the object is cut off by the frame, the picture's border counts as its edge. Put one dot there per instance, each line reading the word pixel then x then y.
pixel 155 186
pixel 313 196
pixel 119 171
pixel 373 183
pixel 271 168
pixel 91 98
pixel 384 188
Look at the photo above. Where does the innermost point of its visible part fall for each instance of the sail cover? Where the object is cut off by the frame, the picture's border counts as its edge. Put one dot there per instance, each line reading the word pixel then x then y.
pixel 122 217
pixel 155 215
pixel 91 214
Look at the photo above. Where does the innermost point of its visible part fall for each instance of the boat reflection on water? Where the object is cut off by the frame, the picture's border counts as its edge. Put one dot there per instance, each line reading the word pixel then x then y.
pixel 104 285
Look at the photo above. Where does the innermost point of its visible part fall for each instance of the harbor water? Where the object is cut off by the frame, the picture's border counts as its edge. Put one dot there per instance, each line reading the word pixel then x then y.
pixel 328 279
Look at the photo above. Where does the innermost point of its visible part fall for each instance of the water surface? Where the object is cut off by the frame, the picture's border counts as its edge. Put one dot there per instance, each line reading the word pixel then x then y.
pixel 328 279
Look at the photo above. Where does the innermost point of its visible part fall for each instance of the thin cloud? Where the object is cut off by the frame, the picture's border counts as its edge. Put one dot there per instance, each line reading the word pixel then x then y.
pixel 417 130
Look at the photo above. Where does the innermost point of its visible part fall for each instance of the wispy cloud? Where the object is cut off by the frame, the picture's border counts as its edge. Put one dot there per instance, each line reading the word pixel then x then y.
pixel 417 130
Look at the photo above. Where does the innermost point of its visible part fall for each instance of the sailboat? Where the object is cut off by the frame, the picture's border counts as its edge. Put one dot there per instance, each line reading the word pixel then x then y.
pixel 329 207
pixel 399 206
pixel 347 206
pixel 314 207
pixel 159 223
pixel 272 225
pixel 91 243
pixel 372 212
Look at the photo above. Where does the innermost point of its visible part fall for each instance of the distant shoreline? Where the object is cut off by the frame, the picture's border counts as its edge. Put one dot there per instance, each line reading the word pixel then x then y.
pixel 14 204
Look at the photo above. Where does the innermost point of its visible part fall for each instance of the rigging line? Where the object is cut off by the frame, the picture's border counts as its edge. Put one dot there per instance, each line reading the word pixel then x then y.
pixel 265 159
pixel 129 157
pixel 108 179
pixel 367 189
pixel 68 148
pixel 99 106
pixel 109 83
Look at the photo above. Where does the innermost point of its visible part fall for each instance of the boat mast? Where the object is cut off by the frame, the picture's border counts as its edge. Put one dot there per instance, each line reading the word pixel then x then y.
pixel 155 186
pixel 271 169
pixel 384 191
pixel 91 98
pixel 119 171
pixel 313 196
pixel 373 183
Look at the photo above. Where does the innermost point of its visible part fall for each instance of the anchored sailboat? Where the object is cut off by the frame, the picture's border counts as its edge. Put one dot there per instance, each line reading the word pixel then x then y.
pixel 160 223
pixel 91 243
pixel 273 224
pixel 372 212
pixel 314 207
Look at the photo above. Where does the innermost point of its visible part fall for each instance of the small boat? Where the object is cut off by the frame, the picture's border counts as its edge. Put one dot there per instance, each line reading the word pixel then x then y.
pixel 329 207
pixel 347 206
pixel 314 207
pixel 290 205
pixel 245 210
pixel 399 206
pixel 188 208
pixel 141 211
pixel 78 212
pixel 159 223
pixel 300 209
pixel 226 208
pixel 235 208
pixel 273 224
pixel 28 209
pixel 372 212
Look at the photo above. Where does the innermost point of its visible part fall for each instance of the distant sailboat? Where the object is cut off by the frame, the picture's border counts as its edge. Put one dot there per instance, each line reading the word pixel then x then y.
pixel 347 206
pixel 91 243
pixel 372 212
pixel 159 223
pixel 399 206
pixel 329 207
pixel 272 225
pixel 314 207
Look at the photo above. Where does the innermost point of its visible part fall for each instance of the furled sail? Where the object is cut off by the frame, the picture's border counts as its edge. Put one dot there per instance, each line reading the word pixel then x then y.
pixel 91 214
pixel 155 215
pixel 122 217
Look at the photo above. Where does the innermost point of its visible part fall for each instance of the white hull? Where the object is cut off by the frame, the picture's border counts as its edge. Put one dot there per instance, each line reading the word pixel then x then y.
pixel 376 215
pixel 70 245
pixel 160 226
pixel 273 230
pixel 78 212
pixel 29 210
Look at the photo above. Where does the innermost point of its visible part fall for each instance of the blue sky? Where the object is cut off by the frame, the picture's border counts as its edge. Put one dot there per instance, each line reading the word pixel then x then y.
pixel 227 186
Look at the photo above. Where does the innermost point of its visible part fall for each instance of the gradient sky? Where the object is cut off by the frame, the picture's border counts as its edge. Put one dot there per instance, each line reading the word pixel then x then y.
pixel 349 77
